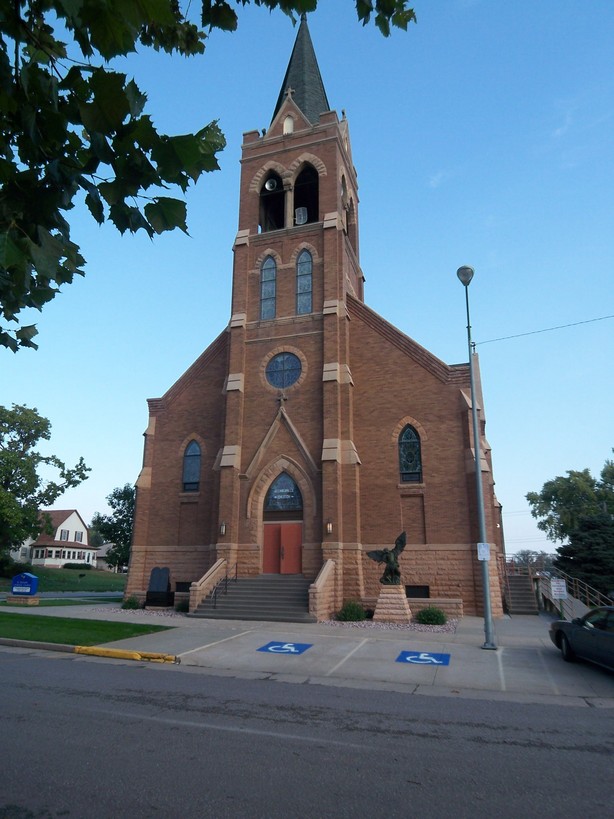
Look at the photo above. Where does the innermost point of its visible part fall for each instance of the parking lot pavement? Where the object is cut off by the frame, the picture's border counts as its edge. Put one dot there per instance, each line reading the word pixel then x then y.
pixel 526 666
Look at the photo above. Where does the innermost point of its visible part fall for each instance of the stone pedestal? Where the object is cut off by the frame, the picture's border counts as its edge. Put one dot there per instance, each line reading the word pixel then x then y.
pixel 392 605
pixel 22 600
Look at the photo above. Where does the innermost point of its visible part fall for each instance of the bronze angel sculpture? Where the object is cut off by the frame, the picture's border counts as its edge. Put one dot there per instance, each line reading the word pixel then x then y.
pixel 392 574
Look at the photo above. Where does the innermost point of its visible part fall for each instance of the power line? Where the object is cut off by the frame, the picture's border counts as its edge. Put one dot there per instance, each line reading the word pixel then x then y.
pixel 545 330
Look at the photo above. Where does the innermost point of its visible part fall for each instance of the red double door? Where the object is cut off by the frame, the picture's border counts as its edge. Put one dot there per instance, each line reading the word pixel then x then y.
pixel 283 544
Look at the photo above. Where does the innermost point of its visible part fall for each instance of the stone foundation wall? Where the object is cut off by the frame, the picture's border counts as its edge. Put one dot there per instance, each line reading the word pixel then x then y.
pixel 451 571
pixel 186 565
pixel 453 609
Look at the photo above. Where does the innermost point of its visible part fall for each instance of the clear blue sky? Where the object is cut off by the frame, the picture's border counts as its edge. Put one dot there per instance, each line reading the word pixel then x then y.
pixel 482 136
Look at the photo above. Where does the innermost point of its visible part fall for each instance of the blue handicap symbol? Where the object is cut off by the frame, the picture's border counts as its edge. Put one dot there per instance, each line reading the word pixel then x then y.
pixel 285 648
pixel 423 658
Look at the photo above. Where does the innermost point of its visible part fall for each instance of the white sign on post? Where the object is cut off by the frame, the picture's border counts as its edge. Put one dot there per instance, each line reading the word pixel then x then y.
pixel 483 551
pixel 558 588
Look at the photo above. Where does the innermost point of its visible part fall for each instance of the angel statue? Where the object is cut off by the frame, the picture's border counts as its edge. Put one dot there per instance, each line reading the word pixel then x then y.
pixel 392 574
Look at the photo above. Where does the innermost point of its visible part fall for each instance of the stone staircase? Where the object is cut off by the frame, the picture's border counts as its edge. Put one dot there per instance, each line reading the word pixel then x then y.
pixel 521 596
pixel 280 598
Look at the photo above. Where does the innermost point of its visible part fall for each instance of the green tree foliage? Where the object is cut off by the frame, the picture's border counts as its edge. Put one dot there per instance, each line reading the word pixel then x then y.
pixel 589 555
pixel 73 128
pixel 117 527
pixel 23 490
pixel 564 501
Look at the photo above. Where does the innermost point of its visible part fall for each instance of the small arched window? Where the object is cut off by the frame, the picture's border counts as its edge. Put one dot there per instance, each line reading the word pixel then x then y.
pixel 268 288
pixel 410 457
pixel 304 277
pixel 191 467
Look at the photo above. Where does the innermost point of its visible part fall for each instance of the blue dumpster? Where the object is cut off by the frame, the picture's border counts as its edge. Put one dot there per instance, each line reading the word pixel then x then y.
pixel 25 584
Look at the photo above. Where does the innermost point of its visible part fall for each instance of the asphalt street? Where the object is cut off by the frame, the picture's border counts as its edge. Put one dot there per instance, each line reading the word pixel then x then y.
pixel 94 738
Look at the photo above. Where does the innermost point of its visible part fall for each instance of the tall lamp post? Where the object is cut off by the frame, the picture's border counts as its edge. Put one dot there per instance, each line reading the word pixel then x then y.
pixel 465 274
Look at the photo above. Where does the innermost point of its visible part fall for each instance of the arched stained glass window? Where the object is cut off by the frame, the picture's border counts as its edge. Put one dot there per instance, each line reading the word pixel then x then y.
pixel 283 495
pixel 268 288
pixel 410 457
pixel 304 278
pixel 191 467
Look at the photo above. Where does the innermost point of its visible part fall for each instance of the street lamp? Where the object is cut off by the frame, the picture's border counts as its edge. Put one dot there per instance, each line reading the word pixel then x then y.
pixel 465 274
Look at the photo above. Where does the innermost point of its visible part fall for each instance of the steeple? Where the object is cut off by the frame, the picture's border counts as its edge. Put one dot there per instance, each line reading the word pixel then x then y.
pixel 303 78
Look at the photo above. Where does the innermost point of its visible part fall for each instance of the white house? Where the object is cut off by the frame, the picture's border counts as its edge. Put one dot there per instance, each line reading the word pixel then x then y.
pixel 67 544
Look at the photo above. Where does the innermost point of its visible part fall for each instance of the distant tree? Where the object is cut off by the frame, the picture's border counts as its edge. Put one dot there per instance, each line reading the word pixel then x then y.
pixel 564 501
pixel 589 555
pixel 117 528
pixel 23 491
pixel 73 127
pixel 94 538
pixel 526 557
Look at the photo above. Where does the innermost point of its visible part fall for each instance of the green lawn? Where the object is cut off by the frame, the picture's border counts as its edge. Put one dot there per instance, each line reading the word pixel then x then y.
pixel 72 632
pixel 94 580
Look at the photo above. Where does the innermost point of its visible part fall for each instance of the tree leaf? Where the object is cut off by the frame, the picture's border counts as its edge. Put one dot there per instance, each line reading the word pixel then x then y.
pixel 166 214
pixel 11 255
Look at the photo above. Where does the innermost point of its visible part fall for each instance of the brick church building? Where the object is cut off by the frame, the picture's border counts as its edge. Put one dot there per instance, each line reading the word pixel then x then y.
pixel 311 431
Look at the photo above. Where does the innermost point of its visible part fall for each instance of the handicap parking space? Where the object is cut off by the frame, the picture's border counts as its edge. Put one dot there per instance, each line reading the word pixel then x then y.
pixel 323 656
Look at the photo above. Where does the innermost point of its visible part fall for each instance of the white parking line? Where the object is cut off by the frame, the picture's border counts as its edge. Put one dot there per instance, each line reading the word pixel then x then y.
pixel 347 657
pixel 216 643
pixel 500 664
pixel 555 687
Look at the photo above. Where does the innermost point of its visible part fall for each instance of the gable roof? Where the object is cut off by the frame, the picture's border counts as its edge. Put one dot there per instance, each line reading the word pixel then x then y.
pixel 454 374
pixel 58 516
pixel 303 78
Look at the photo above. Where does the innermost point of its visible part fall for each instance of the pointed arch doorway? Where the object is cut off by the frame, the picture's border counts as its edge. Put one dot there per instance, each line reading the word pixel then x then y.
pixel 283 527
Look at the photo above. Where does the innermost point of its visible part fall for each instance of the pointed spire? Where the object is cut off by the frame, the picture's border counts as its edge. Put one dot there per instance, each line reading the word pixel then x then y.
pixel 303 78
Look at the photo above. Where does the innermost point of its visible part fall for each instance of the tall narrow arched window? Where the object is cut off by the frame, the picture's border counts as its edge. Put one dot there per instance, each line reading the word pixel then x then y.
pixel 304 270
pixel 410 457
pixel 268 288
pixel 191 467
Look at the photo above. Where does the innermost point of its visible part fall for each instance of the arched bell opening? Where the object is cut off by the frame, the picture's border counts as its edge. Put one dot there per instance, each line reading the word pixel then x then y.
pixel 272 203
pixel 306 196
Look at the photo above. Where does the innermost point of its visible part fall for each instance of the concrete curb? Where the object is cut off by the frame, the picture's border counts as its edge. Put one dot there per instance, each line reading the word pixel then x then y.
pixel 94 651
pixel 123 654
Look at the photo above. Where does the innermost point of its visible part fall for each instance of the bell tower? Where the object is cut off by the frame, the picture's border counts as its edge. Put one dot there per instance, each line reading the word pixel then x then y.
pixel 295 262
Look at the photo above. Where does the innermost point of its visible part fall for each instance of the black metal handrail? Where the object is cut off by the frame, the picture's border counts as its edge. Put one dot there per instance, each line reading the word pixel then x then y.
pixel 223 581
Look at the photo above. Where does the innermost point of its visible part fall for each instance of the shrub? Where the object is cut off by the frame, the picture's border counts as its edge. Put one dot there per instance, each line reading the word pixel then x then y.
pixel 131 603
pixel 182 606
pixel 78 566
pixel 10 567
pixel 431 616
pixel 351 611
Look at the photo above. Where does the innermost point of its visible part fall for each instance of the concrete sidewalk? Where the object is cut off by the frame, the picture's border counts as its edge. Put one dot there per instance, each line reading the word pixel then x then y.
pixel 526 666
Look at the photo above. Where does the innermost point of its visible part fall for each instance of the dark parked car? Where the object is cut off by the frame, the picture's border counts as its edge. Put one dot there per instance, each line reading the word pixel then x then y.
pixel 590 637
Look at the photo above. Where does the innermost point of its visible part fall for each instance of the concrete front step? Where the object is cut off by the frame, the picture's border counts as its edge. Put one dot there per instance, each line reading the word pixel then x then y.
pixel 276 598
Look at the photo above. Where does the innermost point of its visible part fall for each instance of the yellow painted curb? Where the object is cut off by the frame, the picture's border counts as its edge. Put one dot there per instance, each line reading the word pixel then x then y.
pixel 122 654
